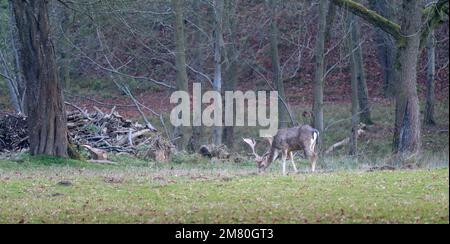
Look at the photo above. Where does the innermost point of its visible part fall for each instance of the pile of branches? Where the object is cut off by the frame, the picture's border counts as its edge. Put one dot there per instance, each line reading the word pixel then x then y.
pixel 101 131
pixel 106 131
pixel 157 149
pixel 13 133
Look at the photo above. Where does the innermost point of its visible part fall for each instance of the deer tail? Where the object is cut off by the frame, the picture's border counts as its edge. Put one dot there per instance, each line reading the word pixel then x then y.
pixel 315 136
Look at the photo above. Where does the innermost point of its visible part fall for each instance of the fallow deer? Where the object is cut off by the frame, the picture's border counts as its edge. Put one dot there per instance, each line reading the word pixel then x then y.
pixel 287 141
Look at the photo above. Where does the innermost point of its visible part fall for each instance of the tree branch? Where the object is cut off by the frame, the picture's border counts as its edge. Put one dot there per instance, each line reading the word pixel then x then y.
pixel 433 15
pixel 372 17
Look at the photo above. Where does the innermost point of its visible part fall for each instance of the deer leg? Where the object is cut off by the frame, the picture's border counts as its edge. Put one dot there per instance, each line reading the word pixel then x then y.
pixel 313 163
pixel 312 157
pixel 292 161
pixel 284 155
pixel 273 158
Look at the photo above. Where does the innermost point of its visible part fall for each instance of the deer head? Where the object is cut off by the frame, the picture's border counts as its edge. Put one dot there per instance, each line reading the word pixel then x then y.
pixel 260 160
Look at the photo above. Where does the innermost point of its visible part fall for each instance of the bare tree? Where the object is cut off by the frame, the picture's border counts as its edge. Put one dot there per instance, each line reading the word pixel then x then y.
pixel 353 45
pixel 218 6
pixel 319 59
pixel 180 62
pixel 64 18
pixel 283 115
pixel 10 83
pixel 431 70
pixel 9 70
pixel 407 123
pixel 46 113
pixel 330 21
pixel 385 45
pixel 197 131
pixel 363 94
pixel 231 62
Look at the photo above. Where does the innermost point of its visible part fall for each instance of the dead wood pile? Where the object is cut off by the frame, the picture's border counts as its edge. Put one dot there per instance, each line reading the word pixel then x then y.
pixel 13 133
pixel 106 131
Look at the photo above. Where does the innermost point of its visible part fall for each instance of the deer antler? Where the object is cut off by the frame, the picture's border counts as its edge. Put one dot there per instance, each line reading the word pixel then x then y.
pixel 252 144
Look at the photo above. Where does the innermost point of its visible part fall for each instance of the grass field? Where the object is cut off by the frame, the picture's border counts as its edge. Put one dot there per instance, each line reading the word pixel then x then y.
pixel 192 189
pixel 139 192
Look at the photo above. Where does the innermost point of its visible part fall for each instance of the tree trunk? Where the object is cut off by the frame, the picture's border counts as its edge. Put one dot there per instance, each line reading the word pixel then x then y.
pixel 330 21
pixel 407 122
pixel 353 43
pixel 10 83
pixel 180 62
pixel 385 46
pixel 218 46
pixel 283 116
pixel 46 113
pixel 197 131
pixel 64 64
pixel 13 95
pixel 431 66
pixel 363 94
pixel 232 69
pixel 8 74
pixel 319 58
pixel 20 85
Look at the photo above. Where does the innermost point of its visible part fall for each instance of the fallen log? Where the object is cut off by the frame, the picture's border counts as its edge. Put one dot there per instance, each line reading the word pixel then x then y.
pixel 96 154
pixel 131 137
pixel 342 143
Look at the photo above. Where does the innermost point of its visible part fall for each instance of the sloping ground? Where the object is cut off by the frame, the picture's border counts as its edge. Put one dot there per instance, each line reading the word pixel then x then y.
pixel 299 89
pixel 147 195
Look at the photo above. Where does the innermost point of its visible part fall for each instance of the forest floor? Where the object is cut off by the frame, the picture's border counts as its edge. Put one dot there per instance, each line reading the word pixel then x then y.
pixel 46 190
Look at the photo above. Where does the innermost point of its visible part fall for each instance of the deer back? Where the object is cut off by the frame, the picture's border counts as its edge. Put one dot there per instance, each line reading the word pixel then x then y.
pixel 295 138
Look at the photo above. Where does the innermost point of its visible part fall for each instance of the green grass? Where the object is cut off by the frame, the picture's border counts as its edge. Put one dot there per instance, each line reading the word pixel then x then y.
pixel 219 193
pixel 192 189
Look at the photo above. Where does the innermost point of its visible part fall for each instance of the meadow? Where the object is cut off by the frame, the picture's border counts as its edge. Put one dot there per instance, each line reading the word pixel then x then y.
pixel 193 189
